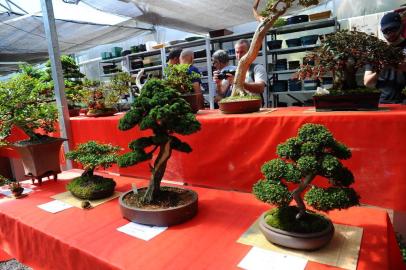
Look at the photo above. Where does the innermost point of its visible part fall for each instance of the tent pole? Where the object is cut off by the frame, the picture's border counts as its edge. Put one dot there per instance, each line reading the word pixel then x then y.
pixel 57 74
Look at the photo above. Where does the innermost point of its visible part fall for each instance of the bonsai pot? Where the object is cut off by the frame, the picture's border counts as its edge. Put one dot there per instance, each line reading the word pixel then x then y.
pixel 74 112
pixel 293 42
pixel 298 19
pixel 240 106
pixel 280 86
pixel 295 85
pixel 17 192
pixel 348 102
pixel 320 15
pixel 310 85
pixel 101 113
pixel 161 216
pixel 40 159
pixel 193 100
pixel 274 44
pixel 309 40
pixel 303 241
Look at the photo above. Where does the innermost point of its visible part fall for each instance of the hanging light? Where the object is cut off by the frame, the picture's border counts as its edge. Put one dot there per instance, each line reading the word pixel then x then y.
pixel 71 1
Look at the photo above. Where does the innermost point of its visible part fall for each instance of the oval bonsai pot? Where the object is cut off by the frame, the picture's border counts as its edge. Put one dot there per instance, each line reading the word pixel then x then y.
pixel 240 106
pixel 101 113
pixel 160 217
pixel 302 241
pixel 347 102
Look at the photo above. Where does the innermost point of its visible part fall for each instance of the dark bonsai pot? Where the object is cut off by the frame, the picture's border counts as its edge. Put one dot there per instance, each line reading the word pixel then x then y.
pixel 74 112
pixel 347 102
pixel 17 192
pixel 274 44
pixel 302 241
pixel 160 216
pixel 293 42
pixel 240 106
pixel 40 159
pixel 309 40
pixel 193 100
pixel 91 187
pixel 101 113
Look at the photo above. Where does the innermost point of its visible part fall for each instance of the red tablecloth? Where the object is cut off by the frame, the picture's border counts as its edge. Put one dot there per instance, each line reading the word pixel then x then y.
pixel 230 149
pixel 87 239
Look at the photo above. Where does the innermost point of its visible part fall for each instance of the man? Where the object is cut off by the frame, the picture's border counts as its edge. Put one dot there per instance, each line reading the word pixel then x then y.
pixel 187 57
pixel 391 80
pixel 173 56
pixel 256 77
pixel 221 65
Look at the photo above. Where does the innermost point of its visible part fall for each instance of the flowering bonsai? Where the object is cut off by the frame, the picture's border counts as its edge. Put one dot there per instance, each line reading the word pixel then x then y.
pixel 162 110
pixel 343 53
pixel 92 155
pixel 314 152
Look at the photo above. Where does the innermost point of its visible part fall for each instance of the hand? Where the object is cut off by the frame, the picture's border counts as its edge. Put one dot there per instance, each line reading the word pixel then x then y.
pixel 230 78
pixel 215 76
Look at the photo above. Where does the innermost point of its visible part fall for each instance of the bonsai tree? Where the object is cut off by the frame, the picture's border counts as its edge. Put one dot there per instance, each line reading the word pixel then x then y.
pixel 159 108
pixel 313 152
pixel 118 88
pixel 344 52
pixel 273 10
pixel 179 78
pixel 92 155
pixel 13 185
pixel 28 104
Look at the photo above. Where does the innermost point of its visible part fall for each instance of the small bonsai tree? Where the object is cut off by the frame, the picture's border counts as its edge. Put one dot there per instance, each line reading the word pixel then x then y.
pixel 313 152
pixel 28 104
pixel 160 109
pixel 178 77
pixel 92 155
pixel 273 10
pixel 344 52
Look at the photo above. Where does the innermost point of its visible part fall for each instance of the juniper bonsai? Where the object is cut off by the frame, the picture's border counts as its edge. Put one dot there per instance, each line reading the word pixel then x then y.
pixel 161 109
pixel 267 18
pixel 179 78
pixel 345 52
pixel 92 155
pixel 313 152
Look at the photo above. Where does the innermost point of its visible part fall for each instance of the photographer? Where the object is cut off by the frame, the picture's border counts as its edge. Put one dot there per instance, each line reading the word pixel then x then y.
pixel 220 74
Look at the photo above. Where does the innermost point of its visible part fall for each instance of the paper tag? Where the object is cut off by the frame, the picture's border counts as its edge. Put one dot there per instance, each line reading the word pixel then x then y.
pixel 54 206
pixel 143 232
pixel 8 193
pixel 134 187
pixel 261 259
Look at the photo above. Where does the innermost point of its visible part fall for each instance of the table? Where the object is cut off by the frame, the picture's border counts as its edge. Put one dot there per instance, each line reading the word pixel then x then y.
pixel 76 239
pixel 230 149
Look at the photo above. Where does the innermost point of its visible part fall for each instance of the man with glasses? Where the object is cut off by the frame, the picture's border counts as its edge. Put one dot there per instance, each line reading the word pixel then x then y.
pixel 392 80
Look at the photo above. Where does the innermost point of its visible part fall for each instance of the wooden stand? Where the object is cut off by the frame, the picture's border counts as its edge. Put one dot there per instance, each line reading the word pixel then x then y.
pixel 39 177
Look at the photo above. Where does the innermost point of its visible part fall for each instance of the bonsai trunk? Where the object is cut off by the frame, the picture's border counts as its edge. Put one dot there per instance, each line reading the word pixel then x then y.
pixel 298 191
pixel 88 172
pixel 259 35
pixel 346 79
pixel 158 171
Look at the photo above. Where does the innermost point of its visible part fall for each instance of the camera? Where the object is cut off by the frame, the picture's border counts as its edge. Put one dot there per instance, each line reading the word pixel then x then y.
pixel 223 75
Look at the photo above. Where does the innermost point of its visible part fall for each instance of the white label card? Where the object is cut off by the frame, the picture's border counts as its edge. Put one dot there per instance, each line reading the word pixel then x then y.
pixel 143 232
pixel 261 259
pixel 54 206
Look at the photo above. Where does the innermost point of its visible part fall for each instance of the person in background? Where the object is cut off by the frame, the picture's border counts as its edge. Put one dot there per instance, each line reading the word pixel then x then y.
pixel 256 77
pixel 391 80
pixel 187 57
pixel 173 56
pixel 220 61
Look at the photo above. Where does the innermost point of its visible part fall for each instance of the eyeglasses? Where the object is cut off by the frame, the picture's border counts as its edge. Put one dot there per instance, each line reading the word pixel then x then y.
pixel 390 30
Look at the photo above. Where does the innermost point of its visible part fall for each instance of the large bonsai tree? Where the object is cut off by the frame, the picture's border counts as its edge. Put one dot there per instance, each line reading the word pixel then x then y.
pixel 313 152
pixel 161 109
pixel 273 10
pixel 27 103
pixel 344 52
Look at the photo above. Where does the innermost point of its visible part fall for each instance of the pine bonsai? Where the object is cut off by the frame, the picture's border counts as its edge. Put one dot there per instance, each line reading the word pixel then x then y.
pixel 28 104
pixel 313 152
pixel 343 53
pixel 161 109
pixel 92 155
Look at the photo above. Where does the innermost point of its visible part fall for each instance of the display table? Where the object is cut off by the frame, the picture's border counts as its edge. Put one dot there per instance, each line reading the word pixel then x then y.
pixel 88 239
pixel 230 149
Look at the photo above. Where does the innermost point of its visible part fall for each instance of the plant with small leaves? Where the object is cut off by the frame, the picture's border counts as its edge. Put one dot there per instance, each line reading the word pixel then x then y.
pixel 313 152
pixel 344 52
pixel 161 109
pixel 179 77
pixel 93 154
pixel 28 104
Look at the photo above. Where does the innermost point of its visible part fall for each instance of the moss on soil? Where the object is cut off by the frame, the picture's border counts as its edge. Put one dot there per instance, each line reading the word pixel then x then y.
pixel 85 187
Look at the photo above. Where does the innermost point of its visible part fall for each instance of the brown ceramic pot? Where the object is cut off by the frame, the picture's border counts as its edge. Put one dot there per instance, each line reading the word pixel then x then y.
pixel 74 112
pixel 240 106
pixel 160 217
pixel 348 102
pixel 194 100
pixel 302 241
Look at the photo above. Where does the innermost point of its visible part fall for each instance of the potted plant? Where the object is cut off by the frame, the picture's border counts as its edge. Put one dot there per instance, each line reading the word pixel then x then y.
pixel 118 89
pixel 267 18
pixel 97 105
pixel 162 110
pixel 342 54
pixel 178 77
pixel 314 152
pixel 91 155
pixel 15 188
pixel 28 104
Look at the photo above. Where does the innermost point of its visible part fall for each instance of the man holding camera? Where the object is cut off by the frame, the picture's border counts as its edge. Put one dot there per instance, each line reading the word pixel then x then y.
pixel 222 70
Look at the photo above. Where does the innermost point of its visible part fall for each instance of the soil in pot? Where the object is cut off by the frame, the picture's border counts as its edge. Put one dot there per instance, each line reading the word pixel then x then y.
pixel 173 206
pixel 91 187
pixel 240 105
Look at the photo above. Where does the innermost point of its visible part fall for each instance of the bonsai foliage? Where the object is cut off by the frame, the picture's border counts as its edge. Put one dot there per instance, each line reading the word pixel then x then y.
pixel 92 155
pixel 26 103
pixel 273 10
pixel 313 152
pixel 178 77
pixel 161 109
pixel 344 52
